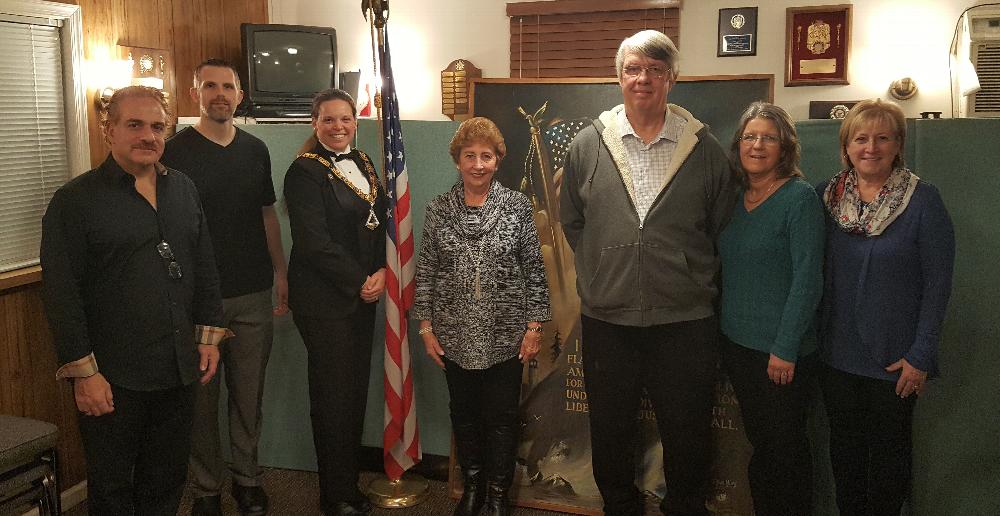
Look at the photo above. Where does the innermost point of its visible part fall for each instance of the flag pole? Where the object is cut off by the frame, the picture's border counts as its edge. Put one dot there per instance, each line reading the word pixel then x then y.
pixel 377 98
pixel 398 490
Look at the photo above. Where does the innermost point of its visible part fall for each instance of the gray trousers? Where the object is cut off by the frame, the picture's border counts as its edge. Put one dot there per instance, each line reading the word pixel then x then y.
pixel 244 362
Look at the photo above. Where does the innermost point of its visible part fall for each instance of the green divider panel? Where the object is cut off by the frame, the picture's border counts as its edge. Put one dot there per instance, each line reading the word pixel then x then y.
pixel 286 440
pixel 431 171
pixel 956 442
pixel 957 427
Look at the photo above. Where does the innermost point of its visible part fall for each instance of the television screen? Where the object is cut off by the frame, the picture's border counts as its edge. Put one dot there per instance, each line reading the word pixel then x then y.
pixel 292 62
pixel 285 65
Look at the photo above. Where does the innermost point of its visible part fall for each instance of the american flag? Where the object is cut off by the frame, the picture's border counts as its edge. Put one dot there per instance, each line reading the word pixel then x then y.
pixel 401 440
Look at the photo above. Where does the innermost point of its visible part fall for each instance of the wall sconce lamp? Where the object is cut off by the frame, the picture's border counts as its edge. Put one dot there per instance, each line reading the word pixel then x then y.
pixel 903 89
pixel 138 66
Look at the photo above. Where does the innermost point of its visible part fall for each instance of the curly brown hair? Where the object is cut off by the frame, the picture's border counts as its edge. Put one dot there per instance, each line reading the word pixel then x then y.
pixel 477 130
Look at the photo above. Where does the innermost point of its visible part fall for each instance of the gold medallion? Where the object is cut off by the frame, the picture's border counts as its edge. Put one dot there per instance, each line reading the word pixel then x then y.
pixel 335 174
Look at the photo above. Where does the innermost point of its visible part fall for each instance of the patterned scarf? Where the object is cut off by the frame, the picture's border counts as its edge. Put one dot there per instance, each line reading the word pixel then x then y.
pixel 843 201
pixel 478 240
pixel 489 214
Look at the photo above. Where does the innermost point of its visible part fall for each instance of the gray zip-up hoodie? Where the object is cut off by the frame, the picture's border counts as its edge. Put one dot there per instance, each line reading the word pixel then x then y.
pixel 659 270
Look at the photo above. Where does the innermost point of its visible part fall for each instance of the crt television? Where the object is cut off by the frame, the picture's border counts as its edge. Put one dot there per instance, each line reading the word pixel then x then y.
pixel 285 65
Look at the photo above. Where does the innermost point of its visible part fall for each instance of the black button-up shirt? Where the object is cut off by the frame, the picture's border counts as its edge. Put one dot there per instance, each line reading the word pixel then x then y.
pixel 107 289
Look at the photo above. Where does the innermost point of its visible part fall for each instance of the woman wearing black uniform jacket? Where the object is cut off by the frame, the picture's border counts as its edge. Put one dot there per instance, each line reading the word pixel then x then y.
pixel 336 274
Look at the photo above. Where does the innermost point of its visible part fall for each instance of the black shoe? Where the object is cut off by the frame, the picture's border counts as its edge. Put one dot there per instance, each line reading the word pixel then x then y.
pixel 350 508
pixel 252 500
pixel 207 506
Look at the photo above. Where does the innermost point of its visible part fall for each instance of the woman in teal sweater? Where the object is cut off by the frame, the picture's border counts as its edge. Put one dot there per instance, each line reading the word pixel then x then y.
pixel 772 281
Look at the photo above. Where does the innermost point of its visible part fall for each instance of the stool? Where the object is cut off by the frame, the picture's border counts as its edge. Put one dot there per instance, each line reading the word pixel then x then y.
pixel 28 467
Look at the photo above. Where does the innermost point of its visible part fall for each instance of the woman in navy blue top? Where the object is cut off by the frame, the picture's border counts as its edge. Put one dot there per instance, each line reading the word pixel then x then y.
pixel 889 258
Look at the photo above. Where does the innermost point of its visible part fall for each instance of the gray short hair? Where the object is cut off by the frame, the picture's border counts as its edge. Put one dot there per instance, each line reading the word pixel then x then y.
pixel 652 44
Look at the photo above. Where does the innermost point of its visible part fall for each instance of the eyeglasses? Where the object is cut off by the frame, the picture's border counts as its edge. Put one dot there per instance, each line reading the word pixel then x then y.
pixel 651 71
pixel 766 139
pixel 173 268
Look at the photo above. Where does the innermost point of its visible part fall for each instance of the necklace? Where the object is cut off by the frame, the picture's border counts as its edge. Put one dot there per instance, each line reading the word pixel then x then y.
pixel 372 221
pixel 476 255
pixel 746 196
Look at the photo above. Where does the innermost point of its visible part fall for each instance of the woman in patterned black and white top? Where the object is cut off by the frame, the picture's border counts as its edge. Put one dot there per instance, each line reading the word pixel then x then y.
pixel 481 299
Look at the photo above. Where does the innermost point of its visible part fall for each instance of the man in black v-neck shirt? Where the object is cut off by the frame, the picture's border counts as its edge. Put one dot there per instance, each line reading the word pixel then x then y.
pixel 232 170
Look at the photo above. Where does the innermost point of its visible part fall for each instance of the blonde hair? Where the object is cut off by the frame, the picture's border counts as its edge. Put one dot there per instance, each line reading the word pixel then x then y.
pixel 868 112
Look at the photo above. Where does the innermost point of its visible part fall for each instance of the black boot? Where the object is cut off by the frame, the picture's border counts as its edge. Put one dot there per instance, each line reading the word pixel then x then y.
pixel 470 457
pixel 497 503
pixel 503 450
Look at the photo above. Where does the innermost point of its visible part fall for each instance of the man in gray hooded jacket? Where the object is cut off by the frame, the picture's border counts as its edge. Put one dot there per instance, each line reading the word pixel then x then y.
pixel 645 193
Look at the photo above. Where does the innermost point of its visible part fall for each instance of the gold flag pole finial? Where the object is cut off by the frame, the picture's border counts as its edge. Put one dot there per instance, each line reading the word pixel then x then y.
pixel 379 10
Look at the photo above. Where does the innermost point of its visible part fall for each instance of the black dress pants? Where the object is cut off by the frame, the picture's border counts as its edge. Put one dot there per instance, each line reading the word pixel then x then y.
pixel 774 417
pixel 871 443
pixel 676 364
pixel 137 455
pixel 339 359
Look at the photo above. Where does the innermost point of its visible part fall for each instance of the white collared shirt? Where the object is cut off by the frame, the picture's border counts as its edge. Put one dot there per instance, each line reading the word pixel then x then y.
pixel 350 170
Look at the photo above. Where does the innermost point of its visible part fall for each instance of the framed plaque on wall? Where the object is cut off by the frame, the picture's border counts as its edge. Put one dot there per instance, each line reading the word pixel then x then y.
pixel 817 45
pixel 737 32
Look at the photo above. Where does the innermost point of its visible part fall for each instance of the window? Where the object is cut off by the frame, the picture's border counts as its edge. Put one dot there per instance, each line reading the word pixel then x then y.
pixel 579 38
pixel 43 138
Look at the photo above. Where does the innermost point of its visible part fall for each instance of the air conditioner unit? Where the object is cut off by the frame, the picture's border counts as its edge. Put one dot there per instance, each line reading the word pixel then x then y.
pixel 984 51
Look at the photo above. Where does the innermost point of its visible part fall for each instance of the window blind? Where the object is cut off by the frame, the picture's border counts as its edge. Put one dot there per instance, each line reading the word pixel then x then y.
pixel 580 44
pixel 33 156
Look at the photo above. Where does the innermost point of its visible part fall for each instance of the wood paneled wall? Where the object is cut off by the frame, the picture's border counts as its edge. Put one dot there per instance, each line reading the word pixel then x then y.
pixel 28 371
pixel 193 30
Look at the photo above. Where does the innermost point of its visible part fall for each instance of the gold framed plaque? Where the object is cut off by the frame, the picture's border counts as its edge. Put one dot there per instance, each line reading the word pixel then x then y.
pixel 817 45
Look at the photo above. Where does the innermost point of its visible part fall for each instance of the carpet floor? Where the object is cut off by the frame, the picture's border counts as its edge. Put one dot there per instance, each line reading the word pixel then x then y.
pixel 296 493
